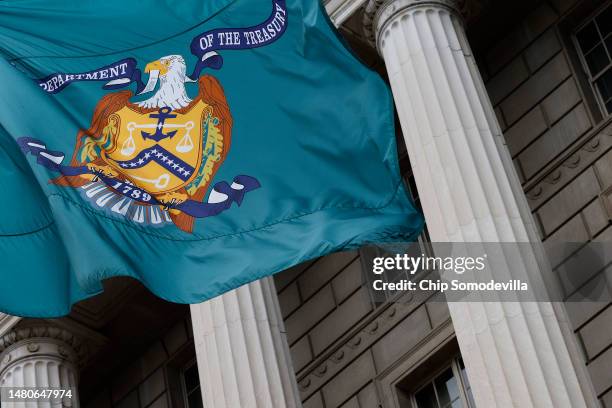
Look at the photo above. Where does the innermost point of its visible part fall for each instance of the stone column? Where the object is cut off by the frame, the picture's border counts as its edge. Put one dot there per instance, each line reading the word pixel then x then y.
pixel 41 357
pixel 242 353
pixel 517 354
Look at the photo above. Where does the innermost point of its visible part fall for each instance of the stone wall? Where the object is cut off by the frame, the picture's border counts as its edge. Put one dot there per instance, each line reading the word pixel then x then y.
pixel 561 145
pixel 346 348
pixel 343 345
pixel 340 340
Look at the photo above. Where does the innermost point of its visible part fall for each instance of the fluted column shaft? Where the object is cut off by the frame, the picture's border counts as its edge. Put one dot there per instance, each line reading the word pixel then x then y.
pixel 242 353
pixel 39 358
pixel 517 354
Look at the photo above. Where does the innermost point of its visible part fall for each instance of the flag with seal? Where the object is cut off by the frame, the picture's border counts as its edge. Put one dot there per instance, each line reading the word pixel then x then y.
pixel 195 146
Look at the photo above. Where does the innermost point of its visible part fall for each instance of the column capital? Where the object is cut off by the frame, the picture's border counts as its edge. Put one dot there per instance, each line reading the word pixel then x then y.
pixel 379 12
pixel 41 355
pixel 22 342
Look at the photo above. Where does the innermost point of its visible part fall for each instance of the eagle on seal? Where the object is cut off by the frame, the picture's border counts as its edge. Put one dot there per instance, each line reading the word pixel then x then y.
pixel 120 136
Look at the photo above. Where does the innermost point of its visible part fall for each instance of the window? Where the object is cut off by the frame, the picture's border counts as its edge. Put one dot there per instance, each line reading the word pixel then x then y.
pixel 448 389
pixel 184 380
pixel 594 44
pixel 432 377
pixel 191 386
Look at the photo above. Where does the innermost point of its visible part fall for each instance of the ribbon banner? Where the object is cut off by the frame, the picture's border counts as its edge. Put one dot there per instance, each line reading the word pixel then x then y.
pixel 206 44
pixel 122 73
pixel 221 198
pixel 118 75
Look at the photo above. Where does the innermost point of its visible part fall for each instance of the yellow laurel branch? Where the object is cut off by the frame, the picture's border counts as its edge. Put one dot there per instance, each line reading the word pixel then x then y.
pixel 214 144
pixel 91 145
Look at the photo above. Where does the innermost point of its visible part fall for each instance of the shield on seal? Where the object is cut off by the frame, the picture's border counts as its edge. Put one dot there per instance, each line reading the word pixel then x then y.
pixel 172 155
pixel 160 151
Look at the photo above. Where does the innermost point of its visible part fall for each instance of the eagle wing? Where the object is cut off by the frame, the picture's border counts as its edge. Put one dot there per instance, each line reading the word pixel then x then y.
pixel 215 146
pixel 103 129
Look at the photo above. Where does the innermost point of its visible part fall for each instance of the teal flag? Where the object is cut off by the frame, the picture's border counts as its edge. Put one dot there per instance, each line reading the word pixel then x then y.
pixel 195 146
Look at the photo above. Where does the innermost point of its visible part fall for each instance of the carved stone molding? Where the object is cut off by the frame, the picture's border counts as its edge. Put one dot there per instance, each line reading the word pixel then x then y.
pixel 31 339
pixel 7 322
pixel 341 10
pixel 315 375
pixel 587 152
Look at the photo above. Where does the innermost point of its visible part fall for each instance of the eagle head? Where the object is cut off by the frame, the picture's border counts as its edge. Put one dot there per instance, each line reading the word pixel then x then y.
pixel 170 72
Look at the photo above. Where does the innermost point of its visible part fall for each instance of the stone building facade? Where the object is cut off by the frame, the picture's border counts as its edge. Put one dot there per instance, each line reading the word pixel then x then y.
pixel 504 108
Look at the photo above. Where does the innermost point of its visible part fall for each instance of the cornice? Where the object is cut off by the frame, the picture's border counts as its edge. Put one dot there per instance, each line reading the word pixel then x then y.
pixel 340 10
pixel 7 322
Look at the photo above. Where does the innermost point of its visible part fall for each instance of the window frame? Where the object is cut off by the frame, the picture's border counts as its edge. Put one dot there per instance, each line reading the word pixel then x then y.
pixel 175 367
pixel 582 58
pixel 185 393
pixel 453 364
